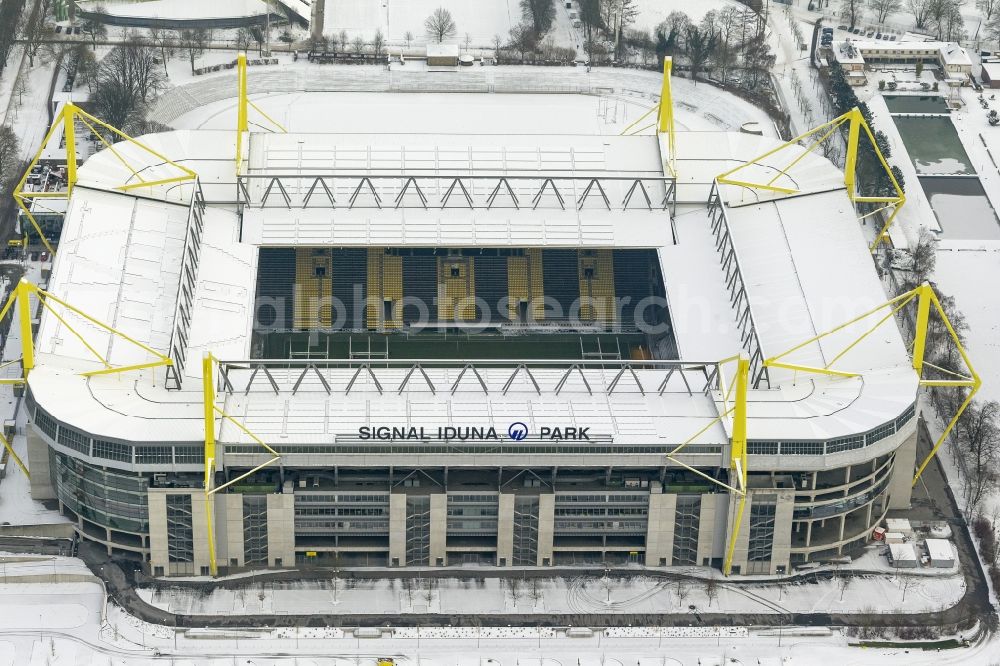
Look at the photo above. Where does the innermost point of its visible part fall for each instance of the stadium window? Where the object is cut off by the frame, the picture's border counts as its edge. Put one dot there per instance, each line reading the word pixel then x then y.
pixel 387 309
pixel 588 273
pixel 456 271
pixel 319 271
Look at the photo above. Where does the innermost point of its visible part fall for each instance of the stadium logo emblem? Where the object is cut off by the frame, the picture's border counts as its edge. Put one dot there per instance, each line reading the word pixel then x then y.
pixel 517 431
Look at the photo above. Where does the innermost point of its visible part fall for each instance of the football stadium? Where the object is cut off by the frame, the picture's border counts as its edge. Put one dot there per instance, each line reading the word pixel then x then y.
pixel 279 349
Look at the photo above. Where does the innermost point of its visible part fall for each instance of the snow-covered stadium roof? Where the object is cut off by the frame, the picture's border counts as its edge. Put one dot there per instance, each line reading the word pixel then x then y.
pixel 803 259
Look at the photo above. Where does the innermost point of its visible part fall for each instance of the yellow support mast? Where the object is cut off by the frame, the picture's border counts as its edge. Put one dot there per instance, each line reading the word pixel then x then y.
pixel 208 387
pixel 210 412
pixel 738 454
pixel 243 106
pixel 67 119
pixel 856 125
pixel 666 116
pixel 925 299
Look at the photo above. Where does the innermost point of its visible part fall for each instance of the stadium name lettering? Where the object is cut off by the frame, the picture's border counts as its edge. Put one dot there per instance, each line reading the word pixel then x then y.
pixel 392 433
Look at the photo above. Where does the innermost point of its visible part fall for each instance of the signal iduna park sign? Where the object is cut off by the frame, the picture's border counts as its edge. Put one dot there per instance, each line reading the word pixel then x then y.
pixel 517 431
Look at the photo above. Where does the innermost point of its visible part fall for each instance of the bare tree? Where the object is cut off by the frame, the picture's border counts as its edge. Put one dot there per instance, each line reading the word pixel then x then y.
pixel 711 590
pixel 852 10
pixel 920 10
pixel 468 42
pixel 10 158
pixel 194 42
pixel 358 45
pixel 522 39
pixel 378 43
pixel 95 28
pixel 127 78
pixel 700 46
pixel 843 582
pixel 882 8
pixel 979 429
pixel 682 590
pixel 440 25
pixel 497 45
pixel 408 37
pixel 243 38
pixel 163 38
pixel 989 8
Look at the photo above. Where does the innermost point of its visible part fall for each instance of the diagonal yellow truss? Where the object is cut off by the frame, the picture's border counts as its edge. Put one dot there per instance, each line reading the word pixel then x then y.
pixel 21 297
pixel 737 390
pixel 243 105
pixel 925 299
pixel 67 118
pixel 210 412
pixel 855 122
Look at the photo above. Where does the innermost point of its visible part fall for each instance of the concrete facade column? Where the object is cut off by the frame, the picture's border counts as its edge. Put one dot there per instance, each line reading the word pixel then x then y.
pixel 743 538
pixel 199 525
pixel 38 466
pixel 660 526
pixel 157 506
pixel 397 529
pixel 712 527
pixel 546 528
pixel 903 468
pixel 505 530
pixel 781 548
pixel 229 517
pixel 439 529
pixel 281 529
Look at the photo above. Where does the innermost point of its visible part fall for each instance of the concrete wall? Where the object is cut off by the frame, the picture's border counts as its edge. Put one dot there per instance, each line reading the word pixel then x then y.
pixel 439 529
pixel 505 529
pixel 229 527
pixel 546 523
pixel 397 529
pixel 281 530
pixel 782 546
pixel 38 466
pixel 903 468
pixel 157 498
pixel 660 528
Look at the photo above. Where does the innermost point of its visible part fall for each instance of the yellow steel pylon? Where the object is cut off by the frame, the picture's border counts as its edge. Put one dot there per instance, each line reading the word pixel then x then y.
pixel 925 299
pixel 243 105
pixel 21 296
pixel 664 122
pixel 67 118
pixel 855 122
pixel 210 412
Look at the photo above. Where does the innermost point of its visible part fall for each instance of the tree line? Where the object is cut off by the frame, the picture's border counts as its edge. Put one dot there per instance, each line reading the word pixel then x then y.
pixel 940 18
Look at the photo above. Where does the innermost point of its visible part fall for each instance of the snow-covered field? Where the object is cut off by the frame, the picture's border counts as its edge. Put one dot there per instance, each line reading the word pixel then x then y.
pixel 480 19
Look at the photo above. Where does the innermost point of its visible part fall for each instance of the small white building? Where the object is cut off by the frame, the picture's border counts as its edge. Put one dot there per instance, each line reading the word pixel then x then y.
pixel 856 56
pixel 442 55
pixel 894 537
pixel 903 555
pixel 900 525
pixel 941 553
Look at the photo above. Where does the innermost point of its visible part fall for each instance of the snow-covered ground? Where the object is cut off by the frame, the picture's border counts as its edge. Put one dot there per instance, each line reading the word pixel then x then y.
pixel 71 624
pixel 627 94
pixel 480 19
pixel 641 594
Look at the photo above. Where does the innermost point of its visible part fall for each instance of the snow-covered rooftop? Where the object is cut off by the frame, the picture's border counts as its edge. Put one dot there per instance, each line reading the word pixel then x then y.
pixel 803 259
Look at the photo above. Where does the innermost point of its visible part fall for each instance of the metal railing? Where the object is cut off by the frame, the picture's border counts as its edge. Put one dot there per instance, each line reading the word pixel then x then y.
pixel 435 190
pixel 342 375
pixel 737 288
pixel 187 283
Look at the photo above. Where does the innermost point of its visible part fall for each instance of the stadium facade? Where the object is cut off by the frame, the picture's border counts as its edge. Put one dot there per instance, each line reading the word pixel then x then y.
pixel 467 349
